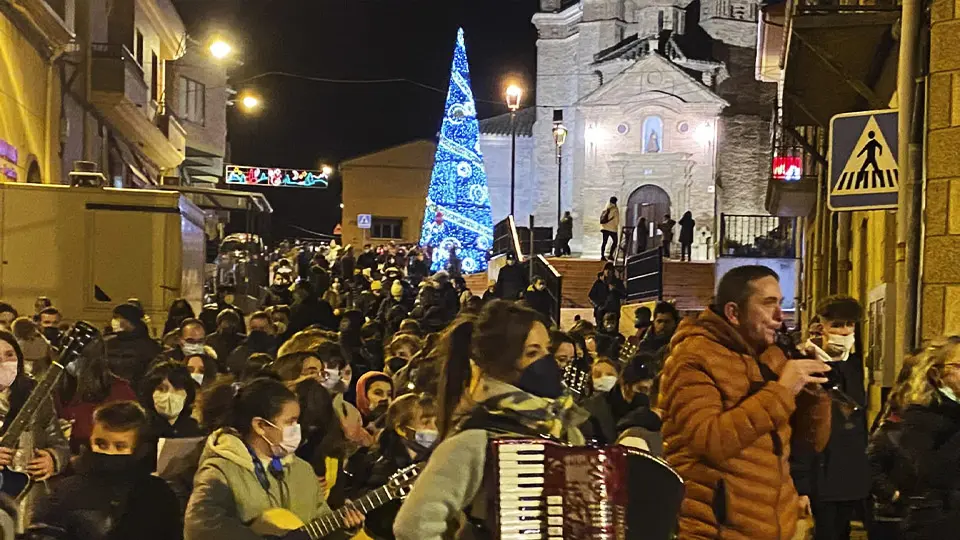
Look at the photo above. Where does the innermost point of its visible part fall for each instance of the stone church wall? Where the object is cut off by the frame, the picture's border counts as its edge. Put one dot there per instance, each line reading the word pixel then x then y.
pixel 496 161
pixel 743 162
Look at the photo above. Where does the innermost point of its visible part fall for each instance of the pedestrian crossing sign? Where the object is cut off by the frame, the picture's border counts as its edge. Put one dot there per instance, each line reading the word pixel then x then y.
pixel 863 169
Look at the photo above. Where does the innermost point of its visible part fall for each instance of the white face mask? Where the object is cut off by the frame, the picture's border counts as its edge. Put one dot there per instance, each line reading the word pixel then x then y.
pixel 192 349
pixel 839 347
pixel 169 404
pixel 289 443
pixel 605 383
pixel 333 377
pixel 8 372
pixel 426 437
pixel 115 326
pixel 198 377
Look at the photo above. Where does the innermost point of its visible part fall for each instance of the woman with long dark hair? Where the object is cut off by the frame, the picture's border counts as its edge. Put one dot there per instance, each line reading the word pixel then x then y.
pixel 42 451
pixel 324 445
pixel 248 465
pixel 167 394
pixel 86 385
pixel 498 379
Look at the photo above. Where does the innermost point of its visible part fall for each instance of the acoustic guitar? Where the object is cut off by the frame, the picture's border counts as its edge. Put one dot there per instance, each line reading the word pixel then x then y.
pixel 277 522
pixel 15 483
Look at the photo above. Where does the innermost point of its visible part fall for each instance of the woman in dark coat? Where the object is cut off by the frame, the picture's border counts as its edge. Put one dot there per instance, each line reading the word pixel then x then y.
pixel 686 235
pixel 643 235
pixel 930 438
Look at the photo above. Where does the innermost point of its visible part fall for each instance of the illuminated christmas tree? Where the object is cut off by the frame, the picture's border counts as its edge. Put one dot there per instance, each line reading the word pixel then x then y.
pixel 458 202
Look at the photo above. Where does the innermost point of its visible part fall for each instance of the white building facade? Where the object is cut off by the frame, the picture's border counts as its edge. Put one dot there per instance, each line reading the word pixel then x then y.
pixel 660 114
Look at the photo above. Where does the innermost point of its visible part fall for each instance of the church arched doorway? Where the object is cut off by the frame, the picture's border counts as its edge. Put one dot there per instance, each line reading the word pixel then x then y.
pixel 651 203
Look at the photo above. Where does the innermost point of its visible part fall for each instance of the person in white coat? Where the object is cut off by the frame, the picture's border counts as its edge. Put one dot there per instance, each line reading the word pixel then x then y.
pixel 609 226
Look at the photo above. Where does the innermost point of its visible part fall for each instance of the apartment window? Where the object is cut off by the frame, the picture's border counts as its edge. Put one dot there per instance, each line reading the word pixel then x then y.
pixel 138 48
pixel 154 77
pixel 192 100
pixel 386 228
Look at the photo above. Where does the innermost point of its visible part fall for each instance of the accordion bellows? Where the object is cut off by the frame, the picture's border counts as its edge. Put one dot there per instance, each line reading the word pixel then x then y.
pixel 541 489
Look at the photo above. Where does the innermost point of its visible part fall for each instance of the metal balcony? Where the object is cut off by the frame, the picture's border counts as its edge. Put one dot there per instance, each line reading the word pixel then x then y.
pixel 797 164
pixel 758 236
pixel 123 96
pixel 839 57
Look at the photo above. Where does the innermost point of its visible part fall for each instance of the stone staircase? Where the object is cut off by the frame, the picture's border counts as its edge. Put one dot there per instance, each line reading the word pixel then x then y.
pixel 689 284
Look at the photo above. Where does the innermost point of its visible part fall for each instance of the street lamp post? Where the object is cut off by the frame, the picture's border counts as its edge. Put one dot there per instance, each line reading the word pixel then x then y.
pixel 514 94
pixel 559 137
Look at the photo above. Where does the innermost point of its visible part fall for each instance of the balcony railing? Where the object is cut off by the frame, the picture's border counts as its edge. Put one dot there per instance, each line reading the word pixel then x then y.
pixel 758 236
pixel 115 70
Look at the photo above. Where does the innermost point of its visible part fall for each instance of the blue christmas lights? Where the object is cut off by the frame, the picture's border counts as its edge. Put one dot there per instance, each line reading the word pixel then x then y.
pixel 458 202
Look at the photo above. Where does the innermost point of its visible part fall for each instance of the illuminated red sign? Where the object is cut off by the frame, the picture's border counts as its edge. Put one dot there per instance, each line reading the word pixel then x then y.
pixel 787 168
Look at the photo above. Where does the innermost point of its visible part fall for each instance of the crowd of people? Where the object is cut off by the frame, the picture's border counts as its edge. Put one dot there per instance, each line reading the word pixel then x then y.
pixel 288 416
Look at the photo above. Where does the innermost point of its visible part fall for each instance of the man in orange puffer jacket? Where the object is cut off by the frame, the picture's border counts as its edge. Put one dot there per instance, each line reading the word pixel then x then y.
pixel 732 401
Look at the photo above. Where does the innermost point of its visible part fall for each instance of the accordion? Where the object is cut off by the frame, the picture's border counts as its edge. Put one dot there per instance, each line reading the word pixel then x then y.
pixel 539 489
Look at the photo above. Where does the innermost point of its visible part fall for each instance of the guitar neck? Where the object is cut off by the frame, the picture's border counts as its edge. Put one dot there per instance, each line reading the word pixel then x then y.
pixel 25 417
pixel 321 527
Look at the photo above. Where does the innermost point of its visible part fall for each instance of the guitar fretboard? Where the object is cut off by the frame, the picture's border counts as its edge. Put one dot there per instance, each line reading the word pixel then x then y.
pixel 25 417
pixel 321 527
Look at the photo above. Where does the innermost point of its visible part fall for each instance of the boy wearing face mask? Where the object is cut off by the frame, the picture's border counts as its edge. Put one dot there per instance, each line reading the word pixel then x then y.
pixel 835 483
pixel 112 495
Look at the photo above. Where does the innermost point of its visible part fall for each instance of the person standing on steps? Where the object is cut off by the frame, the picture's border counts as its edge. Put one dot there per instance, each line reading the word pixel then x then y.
pixel 686 235
pixel 609 225
pixel 666 227
pixel 564 235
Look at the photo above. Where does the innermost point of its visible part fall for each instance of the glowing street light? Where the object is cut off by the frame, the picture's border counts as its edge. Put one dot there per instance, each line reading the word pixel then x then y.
pixel 327 171
pixel 250 102
pixel 514 94
pixel 703 134
pixel 220 49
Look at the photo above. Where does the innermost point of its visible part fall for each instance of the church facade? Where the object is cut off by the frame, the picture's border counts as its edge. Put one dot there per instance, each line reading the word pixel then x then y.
pixel 663 111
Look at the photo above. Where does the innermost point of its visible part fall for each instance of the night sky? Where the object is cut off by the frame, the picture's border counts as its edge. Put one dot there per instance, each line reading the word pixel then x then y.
pixel 304 124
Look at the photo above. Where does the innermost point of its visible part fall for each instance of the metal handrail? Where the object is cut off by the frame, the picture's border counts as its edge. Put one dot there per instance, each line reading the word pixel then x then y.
pixel 758 236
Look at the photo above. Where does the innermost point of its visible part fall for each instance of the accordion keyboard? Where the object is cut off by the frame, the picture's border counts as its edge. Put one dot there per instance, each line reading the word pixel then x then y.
pixel 526 510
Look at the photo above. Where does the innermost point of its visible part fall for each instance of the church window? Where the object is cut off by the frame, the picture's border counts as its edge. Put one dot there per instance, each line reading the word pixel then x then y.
pixel 652 135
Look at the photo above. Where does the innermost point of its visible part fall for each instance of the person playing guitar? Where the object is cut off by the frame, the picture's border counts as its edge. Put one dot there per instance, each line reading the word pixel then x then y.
pixel 248 465
pixel 44 449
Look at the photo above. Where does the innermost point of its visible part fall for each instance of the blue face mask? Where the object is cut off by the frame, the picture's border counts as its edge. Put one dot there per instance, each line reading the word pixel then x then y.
pixel 426 437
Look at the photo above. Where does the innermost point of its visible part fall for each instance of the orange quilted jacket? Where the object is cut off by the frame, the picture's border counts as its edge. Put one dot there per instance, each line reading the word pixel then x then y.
pixel 728 433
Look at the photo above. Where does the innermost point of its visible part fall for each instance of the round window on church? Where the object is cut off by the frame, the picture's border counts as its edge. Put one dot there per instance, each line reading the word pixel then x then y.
pixel 683 127
pixel 623 129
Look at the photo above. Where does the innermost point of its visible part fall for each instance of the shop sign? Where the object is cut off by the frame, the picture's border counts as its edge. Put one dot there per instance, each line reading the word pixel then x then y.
pixel 8 154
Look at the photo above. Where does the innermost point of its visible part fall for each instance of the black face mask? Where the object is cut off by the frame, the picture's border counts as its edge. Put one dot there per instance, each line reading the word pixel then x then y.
pixel 373 345
pixel 109 464
pixel 377 412
pixel 52 333
pixel 640 399
pixel 396 364
pixel 542 378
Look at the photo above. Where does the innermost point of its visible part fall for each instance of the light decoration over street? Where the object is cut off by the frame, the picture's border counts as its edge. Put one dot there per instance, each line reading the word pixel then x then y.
pixel 458 201
pixel 276 177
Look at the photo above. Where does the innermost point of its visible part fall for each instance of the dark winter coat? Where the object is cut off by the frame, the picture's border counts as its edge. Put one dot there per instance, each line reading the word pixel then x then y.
pixel 347 264
pixel 278 295
pixel 511 282
pixel 841 471
pixel 930 438
pixel 255 342
pixel 565 228
pixel 312 311
pixel 94 505
pixel 418 271
pixel 686 229
pixel 367 259
pixel 388 303
pixel 368 470
pixel 890 469
pixel 541 302
pixel 224 344
pixel 608 409
pixel 130 353
pixel 185 426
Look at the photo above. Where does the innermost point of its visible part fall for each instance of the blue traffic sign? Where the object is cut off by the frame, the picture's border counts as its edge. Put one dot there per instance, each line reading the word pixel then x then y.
pixel 863 169
pixel 364 221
